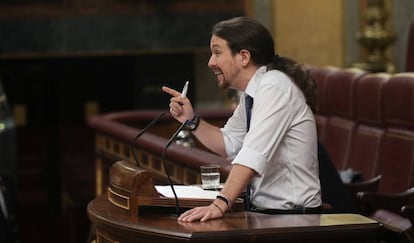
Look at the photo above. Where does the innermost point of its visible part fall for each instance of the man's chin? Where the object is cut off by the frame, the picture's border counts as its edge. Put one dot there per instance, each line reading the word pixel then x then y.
pixel 224 85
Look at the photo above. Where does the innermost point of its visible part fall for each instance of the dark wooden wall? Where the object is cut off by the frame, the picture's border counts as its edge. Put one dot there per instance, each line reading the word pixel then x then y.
pixel 63 60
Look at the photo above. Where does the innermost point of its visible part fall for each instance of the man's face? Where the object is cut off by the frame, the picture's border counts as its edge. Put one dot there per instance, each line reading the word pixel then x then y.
pixel 223 63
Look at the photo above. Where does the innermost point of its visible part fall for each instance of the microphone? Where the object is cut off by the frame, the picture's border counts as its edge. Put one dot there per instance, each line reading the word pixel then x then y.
pixel 156 119
pixel 174 136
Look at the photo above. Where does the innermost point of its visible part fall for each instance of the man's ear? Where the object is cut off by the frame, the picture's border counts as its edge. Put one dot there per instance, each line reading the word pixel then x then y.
pixel 245 57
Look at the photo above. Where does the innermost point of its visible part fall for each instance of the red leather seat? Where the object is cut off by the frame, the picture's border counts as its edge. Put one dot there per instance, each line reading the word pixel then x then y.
pixel 410 49
pixel 340 93
pixel 398 101
pixel 370 130
pixel 319 74
pixel 396 161
pixel 397 152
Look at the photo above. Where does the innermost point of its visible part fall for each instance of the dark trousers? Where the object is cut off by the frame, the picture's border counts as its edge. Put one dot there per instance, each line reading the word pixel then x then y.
pixel 301 210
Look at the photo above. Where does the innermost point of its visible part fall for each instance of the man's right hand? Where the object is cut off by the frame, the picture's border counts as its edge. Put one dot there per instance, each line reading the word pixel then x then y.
pixel 180 107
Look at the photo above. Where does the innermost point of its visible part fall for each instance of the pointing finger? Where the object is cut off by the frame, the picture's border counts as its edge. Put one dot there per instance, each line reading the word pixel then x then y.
pixel 170 91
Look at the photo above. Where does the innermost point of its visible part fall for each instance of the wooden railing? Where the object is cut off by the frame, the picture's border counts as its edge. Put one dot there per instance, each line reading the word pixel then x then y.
pixel 115 133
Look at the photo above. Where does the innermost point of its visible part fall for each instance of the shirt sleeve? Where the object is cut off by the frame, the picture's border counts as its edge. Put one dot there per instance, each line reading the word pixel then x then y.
pixel 235 130
pixel 271 118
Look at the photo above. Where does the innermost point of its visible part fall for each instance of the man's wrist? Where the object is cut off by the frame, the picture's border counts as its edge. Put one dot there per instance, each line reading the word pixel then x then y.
pixel 193 124
pixel 225 199
pixel 221 204
pixel 218 207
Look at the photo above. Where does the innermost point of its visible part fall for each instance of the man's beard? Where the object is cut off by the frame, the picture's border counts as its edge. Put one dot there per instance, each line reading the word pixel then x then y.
pixel 224 84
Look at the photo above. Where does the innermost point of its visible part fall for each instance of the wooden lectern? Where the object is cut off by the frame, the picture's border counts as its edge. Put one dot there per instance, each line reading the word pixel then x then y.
pixel 131 187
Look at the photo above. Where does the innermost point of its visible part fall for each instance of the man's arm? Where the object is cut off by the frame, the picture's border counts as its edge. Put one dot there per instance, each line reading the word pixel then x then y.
pixel 211 137
pixel 235 184
pixel 182 110
pixel 237 181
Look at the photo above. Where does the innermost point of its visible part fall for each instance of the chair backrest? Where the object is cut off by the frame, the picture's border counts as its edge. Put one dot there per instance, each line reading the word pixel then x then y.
pixel 319 75
pixel 340 93
pixel 365 151
pixel 370 128
pixel 368 94
pixel 409 65
pixel 396 162
pixel 398 98
pixel 338 138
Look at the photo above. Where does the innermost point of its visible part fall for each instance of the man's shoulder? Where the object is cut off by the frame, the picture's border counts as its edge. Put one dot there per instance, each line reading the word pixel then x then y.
pixel 276 79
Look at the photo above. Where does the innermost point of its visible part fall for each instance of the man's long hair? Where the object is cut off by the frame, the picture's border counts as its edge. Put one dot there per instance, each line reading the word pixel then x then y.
pixel 247 33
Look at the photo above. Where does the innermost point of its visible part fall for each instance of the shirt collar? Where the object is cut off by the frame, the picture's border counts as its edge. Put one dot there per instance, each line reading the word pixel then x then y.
pixel 254 81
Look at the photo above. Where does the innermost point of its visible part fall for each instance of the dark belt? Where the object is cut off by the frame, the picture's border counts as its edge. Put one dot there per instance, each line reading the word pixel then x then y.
pixel 301 210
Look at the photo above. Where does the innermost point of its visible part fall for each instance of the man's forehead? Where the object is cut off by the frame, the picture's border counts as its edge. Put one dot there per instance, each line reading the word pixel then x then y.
pixel 217 42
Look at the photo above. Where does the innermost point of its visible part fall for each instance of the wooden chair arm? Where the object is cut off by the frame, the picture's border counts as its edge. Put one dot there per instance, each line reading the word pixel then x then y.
pixel 390 201
pixel 408 212
pixel 394 210
pixel 370 185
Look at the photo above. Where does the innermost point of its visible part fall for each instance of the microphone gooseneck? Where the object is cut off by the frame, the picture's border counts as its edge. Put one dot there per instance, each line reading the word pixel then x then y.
pixel 156 119
pixel 174 136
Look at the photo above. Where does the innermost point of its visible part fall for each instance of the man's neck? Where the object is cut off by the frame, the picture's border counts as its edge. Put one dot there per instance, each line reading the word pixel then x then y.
pixel 246 76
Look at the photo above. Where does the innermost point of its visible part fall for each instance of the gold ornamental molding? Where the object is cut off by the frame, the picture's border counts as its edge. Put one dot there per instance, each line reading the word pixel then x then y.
pixel 376 37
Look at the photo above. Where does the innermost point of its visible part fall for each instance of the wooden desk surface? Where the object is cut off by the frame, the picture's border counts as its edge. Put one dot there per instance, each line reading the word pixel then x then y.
pixel 115 225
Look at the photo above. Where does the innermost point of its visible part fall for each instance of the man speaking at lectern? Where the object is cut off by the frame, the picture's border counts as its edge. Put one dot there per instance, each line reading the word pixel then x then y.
pixel 271 137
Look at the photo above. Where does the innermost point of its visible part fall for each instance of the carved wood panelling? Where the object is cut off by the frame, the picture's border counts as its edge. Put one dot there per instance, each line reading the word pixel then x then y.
pixel 98 7
pixel 111 150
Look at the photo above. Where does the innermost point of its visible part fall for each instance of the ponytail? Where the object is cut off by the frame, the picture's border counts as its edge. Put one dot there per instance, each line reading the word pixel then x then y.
pixel 299 74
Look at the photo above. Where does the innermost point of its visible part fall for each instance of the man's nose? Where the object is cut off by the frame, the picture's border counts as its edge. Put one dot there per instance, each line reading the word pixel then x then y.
pixel 210 62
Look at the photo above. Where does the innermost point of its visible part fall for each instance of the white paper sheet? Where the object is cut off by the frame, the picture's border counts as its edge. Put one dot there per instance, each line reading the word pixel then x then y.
pixel 186 192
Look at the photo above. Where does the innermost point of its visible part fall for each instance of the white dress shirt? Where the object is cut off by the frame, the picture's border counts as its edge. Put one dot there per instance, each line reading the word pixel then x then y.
pixel 281 145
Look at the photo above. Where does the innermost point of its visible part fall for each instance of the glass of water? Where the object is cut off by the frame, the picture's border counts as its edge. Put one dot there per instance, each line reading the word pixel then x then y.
pixel 210 176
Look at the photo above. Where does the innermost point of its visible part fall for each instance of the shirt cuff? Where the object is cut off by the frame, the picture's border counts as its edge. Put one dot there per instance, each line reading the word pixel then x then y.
pixel 252 159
